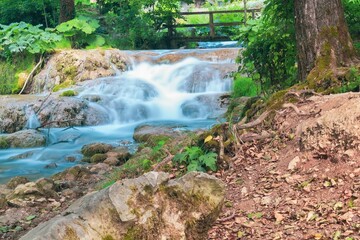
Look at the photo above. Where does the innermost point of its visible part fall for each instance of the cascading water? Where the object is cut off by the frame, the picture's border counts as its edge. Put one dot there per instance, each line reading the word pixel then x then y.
pixel 159 92
pixel 32 120
pixel 185 93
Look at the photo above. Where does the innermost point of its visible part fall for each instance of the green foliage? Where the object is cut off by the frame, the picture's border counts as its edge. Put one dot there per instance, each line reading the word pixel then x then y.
pixel 45 12
pixel 244 87
pixel 196 159
pixel 10 81
pixel 146 164
pixel 22 37
pixel 134 24
pixel 69 93
pixel 352 16
pixel 270 51
pixel 351 82
pixel 81 32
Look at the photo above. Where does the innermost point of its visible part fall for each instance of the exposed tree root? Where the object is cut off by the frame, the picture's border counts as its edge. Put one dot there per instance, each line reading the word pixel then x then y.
pixel 31 74
pixel 252 124
pixel 253 137
pixel 298 112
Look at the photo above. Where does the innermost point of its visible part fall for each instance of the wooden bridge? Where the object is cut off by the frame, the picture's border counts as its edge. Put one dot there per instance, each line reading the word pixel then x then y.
pixel 174 38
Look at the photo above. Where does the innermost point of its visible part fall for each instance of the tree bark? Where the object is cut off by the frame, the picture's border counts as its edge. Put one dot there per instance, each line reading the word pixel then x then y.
pixel 323 40
pixel 67 10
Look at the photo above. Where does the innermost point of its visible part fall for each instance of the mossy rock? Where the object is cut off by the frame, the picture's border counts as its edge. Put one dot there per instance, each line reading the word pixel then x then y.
pixel 90 150
pixel 69 93
pixel 16 181
pixel 4 144
pixel 63 85
pixel 97 158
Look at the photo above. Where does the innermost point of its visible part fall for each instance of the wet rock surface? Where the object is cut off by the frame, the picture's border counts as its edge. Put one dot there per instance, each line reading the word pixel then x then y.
pixel 23 139
pixel 149 133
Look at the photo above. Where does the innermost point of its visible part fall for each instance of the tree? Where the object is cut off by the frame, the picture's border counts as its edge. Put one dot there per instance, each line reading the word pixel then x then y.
pixel 67 10
pixel 324 44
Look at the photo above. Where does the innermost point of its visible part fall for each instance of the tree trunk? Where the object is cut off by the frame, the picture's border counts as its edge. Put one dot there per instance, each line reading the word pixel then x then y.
pixel 67 10
pixel 323 41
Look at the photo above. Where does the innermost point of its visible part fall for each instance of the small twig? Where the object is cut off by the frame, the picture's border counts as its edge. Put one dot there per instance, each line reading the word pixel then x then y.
pixel 31 73
pixel 227 218
pixel 42 104
pixel 165 161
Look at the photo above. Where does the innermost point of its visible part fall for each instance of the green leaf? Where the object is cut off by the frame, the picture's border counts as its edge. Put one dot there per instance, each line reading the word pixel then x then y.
pixel 193 166
pixel 30 217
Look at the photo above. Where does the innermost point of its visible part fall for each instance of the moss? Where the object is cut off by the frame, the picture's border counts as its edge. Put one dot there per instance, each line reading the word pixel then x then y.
pixel 4 144
pixel 70 72
pixel 63 85
pixel 133 233
pixel 69 93
pixel 108 237
pixel 70 234
pixel 99 157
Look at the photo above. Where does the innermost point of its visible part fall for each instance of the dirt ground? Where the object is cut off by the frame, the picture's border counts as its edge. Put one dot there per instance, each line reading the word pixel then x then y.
pixel 302 183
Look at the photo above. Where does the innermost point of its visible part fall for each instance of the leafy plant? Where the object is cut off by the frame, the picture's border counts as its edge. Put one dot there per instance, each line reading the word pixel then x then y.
pixel 81 32
pixel 196 159
pixel 244 87
pixel 269 57
pixel 22 37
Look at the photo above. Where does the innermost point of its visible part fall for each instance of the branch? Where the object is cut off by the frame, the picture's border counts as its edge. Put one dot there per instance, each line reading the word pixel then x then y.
pixel 31 73
pixel 166 160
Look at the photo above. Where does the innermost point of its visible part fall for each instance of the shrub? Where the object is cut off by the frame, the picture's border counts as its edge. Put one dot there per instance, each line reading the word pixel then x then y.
pixel 244 87
pixel 23 38
pixel 81 32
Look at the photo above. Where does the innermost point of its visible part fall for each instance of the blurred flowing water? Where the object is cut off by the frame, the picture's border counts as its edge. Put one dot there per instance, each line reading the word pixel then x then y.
pixel 183 93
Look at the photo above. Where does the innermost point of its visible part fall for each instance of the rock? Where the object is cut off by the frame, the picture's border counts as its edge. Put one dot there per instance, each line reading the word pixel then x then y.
pixel 293 163
pixel 120 153
pixel 51 165
pixel 3 201
pixel 148 207
pixel 32 190
pixel 77 173
pixel 100 168
pixel 209 105
pixel 153 134
pixel 90 150
pixel 97 158
pixel 69 67
pixel 112 161
pixel 70 158
pixel 16 181
pixel 22 156
pixel 23 139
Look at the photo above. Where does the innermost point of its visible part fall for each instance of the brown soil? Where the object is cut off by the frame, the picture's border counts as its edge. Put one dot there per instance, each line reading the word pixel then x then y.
pixel 304 183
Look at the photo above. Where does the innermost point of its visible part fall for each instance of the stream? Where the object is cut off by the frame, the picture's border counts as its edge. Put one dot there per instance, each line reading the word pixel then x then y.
pixel 184 94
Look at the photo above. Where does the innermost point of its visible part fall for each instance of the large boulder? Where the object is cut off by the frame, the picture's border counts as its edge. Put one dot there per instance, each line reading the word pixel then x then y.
pixel 72 66
pixel 148 207
pixel 23 139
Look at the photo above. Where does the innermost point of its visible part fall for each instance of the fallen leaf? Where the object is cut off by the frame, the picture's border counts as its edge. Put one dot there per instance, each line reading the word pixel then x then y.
pixel 279 217
pixel 208 139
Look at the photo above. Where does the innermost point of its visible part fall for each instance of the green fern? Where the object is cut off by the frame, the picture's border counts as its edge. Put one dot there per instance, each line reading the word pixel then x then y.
pixel 196 159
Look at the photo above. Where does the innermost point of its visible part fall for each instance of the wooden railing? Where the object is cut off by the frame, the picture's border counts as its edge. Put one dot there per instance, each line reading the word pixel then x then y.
pixel 173 38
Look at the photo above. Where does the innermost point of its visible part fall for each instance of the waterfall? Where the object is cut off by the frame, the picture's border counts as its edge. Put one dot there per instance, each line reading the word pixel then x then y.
pixel 32 120
pixel 151 91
